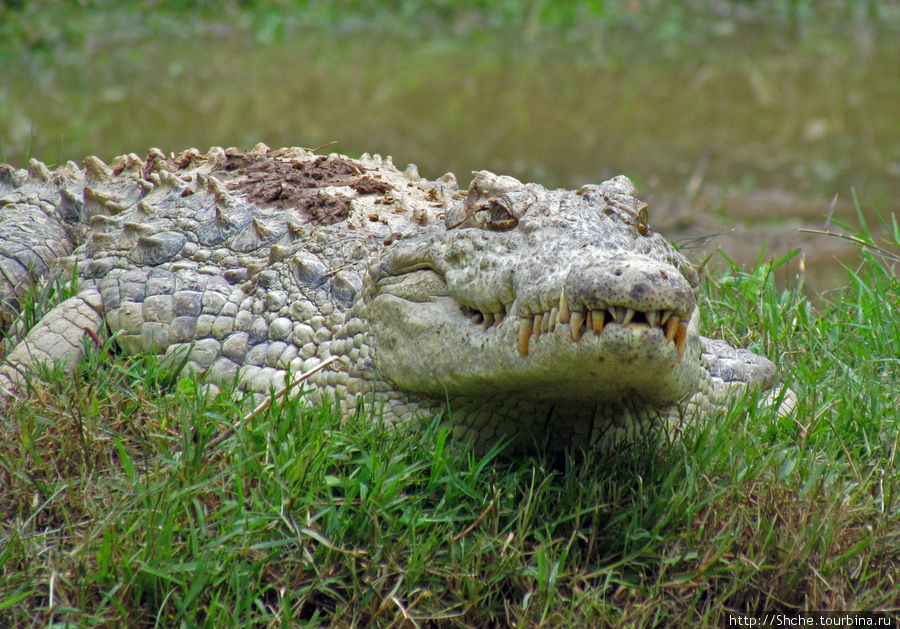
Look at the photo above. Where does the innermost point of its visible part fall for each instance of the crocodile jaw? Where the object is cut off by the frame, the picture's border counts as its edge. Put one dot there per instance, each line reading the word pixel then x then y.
pixel 425 342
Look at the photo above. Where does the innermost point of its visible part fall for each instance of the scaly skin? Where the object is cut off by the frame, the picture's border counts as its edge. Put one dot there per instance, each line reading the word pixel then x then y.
pixel 549 317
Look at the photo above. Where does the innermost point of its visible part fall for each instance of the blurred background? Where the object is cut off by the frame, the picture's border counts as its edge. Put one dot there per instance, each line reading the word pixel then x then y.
pixel 740 121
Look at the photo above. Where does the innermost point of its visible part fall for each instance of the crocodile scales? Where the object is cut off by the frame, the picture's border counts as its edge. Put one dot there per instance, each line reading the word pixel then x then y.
pixel 543 316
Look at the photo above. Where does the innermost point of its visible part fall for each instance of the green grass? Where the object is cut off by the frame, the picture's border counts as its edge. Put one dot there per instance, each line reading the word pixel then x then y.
pixel 43 25
pixel 119 508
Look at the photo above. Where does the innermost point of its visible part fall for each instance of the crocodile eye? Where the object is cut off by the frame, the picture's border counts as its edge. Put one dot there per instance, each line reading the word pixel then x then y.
pixel 499 217
pixel 643 224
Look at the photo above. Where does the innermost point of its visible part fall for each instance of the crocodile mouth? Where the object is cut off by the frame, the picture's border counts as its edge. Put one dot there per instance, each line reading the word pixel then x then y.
pixel 428 339
pixel 672 323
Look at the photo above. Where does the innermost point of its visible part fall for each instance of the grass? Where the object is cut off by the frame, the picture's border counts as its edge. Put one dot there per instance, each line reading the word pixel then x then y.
pixel 116 510
pixel 43 25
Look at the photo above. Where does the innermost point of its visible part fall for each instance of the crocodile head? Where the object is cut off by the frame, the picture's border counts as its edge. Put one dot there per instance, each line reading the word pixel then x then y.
pixel 551 295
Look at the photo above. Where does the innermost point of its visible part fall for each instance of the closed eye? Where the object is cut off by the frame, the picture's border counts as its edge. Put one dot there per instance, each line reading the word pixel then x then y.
pixel 499 217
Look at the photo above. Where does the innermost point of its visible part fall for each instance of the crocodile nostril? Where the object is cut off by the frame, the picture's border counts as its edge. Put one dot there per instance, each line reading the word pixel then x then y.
pixel 638 291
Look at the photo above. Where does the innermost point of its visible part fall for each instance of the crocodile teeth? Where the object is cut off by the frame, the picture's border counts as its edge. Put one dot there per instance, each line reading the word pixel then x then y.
pixel 680 335
pixel 577 321
pixel 672 327
pixel 614 313
pixel 531 327
pixel 598 321
pixel 525 326
pixel 563 308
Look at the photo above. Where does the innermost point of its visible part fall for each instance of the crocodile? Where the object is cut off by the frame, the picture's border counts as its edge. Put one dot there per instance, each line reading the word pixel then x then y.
pixel 543 317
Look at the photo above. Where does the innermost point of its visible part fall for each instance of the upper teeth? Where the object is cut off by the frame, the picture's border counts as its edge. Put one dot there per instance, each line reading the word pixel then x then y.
pixel 580 321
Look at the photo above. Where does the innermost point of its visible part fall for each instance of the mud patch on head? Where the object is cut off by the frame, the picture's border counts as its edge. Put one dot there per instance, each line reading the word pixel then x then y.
pixel 325 209
pixel 368 185
pixel 275 182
